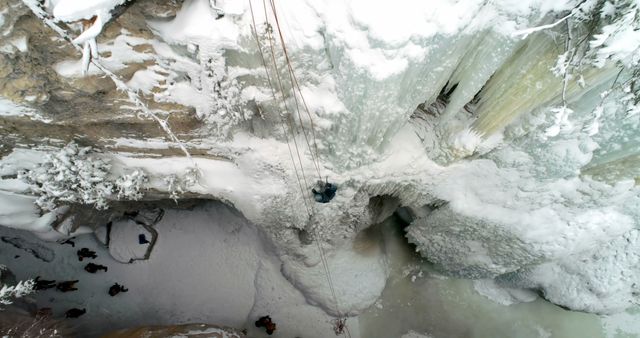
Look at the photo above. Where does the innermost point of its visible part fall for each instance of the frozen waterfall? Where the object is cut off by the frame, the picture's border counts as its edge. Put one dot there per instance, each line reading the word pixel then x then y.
pixel 505 133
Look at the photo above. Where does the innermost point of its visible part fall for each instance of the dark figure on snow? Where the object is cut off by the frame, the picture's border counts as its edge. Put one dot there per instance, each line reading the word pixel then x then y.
pixel 67 286
pixel 70 242
pixel 86 253
pixel 265 321
pixel 324 191
pixel 43 284
pixel 93 268
pixel 142 239
pixel 74 313
pixel 116 289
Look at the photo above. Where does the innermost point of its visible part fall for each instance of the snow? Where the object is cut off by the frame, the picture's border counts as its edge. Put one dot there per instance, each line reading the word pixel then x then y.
pixel 196 23
pixel 9 108
pixel 622 323
pixel 358 279
pixel 121 51
pixel 21 212
pixel 72 10
pixel 226 273
pixel 124 245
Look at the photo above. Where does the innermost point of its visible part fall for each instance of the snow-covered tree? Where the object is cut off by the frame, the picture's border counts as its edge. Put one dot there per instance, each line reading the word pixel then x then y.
pixel 71 175
pixel 129 186
pixel 176 185
pixel 8 293
pixel 78 175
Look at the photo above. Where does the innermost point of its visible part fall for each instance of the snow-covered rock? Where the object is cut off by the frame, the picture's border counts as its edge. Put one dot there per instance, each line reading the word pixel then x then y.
pixel 606 281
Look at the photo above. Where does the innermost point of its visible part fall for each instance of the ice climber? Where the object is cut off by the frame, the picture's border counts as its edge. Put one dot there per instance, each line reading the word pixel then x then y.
pixel 324 191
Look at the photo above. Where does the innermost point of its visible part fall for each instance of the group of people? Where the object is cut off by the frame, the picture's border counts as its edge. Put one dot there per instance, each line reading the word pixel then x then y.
pixel 70 285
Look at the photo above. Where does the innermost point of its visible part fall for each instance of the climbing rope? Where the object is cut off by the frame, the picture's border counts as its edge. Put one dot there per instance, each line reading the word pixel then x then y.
pixel 282 124
pixel 340 324
pixel 295 85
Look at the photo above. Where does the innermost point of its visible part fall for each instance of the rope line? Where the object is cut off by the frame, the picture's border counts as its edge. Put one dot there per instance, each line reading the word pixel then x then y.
pixel 284 101
pixel 295 85
pixel 282 124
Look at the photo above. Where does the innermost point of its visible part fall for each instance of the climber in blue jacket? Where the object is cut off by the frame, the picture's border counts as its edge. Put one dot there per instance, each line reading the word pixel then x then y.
pixel 325 191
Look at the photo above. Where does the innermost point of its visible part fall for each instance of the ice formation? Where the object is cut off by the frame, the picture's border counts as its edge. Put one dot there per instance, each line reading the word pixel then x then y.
pixel 512 159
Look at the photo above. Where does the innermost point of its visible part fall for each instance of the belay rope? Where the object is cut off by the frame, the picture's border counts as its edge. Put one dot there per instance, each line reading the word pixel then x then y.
pixel 340 327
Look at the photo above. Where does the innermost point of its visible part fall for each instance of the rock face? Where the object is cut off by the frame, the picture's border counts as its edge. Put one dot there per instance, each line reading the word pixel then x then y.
pixel 62 107
pixel 17 323
pixel 187 330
